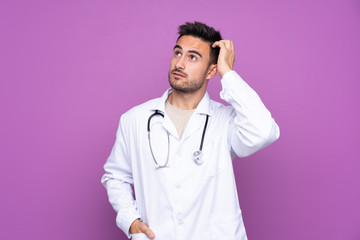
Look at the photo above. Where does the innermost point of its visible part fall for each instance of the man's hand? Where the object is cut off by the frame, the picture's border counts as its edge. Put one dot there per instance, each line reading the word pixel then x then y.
pixel 140 227
pixel 226 56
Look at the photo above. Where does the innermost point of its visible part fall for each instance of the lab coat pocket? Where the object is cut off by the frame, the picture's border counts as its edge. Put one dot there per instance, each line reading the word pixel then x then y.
pixel 228 228
pixel 139 236
pixel 215 161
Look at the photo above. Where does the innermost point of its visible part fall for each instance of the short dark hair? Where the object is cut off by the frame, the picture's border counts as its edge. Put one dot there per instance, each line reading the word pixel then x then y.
pixel 205 33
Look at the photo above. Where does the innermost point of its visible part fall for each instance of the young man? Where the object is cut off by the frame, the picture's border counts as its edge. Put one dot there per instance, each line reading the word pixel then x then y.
pixel 177 150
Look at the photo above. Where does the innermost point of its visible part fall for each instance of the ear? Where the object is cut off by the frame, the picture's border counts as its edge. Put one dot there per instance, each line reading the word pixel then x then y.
pixel 212 70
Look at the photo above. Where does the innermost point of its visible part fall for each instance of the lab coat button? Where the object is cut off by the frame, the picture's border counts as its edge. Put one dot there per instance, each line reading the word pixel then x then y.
pixel 180 219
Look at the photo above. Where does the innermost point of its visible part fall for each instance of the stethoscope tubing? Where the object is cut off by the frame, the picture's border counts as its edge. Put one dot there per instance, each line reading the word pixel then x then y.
pixel 168 137
pixel 203 134
pixel 197 154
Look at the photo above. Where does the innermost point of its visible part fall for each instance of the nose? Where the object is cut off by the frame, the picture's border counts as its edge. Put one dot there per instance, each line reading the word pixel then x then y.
pixel 180 64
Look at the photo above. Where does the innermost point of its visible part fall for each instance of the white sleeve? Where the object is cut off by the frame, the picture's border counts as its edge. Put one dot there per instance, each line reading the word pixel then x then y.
pixel 251 125
pixel 118 180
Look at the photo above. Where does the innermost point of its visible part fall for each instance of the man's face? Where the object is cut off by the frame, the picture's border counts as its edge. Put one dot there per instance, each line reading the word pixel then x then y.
pixel 189 64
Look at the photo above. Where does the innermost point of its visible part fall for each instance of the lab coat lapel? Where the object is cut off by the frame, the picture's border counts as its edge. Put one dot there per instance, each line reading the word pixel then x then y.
pixel 197 120
pixel 167 123
pixel 195 123
pixel 169 126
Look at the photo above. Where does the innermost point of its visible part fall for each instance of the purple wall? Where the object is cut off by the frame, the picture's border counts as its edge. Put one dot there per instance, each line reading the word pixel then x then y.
pixel 69 69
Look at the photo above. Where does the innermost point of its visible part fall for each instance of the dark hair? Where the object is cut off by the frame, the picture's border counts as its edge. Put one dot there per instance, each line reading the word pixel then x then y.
pixel 205 33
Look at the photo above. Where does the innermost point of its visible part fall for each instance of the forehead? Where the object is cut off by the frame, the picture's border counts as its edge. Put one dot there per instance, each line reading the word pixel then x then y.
pixel 188 43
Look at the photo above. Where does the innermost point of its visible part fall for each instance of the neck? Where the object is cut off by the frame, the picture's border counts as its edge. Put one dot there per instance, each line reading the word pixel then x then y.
pixel 185 101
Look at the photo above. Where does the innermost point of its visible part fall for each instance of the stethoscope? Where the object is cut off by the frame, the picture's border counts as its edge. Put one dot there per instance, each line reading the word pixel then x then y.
pixel 197 155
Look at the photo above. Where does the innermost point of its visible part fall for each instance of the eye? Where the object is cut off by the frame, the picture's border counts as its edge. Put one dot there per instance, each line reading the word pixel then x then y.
pixel 193 58
pixel 177 53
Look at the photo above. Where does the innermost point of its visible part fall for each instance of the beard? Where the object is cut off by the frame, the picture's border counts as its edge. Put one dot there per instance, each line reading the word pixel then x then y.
pixel 186 85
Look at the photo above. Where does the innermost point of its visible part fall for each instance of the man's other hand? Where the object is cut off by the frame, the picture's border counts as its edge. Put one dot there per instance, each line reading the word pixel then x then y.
pixel 140 227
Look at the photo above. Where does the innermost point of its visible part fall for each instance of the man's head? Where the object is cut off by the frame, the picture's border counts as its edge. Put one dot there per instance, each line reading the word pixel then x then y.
pixel 194 60
pixel 205 33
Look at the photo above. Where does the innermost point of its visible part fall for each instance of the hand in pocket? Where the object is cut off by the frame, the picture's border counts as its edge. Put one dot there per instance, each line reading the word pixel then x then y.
pixel 138 227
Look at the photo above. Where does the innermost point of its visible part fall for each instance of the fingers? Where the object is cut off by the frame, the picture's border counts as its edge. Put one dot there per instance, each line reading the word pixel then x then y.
pixel 140 227
pixel 219 44
pixel 226 56
pixel 145 229
pixel 224 44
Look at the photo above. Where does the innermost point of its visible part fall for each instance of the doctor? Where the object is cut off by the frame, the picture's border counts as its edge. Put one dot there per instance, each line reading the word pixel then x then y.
pixel 177 150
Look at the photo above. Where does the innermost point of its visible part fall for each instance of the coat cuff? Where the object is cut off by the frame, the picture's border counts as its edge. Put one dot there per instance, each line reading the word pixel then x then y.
pixel 230 79
pixel 125 219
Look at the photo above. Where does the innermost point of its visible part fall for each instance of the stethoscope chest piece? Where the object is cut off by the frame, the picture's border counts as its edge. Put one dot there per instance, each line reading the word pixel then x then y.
pixel 198 157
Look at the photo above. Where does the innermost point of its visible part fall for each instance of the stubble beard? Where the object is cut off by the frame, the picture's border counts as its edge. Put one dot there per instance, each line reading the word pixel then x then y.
pixel 189 86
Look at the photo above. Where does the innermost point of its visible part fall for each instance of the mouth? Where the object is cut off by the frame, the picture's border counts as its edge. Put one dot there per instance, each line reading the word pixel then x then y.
pixel 178 75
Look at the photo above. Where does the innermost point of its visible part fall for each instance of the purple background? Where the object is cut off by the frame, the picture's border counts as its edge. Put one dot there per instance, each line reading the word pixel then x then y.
pixel 69 69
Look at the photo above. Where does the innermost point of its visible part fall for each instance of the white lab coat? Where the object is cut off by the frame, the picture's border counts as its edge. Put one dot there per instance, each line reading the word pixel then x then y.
pixel 186 201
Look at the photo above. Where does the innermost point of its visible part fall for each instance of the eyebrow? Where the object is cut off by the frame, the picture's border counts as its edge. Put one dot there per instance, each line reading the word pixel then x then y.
pixel 191 51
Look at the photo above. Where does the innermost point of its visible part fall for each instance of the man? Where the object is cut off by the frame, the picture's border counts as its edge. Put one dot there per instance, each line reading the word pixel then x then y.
pixel 177 150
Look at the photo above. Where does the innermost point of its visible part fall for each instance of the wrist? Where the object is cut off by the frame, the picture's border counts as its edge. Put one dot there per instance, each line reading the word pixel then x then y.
pixel 223 72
